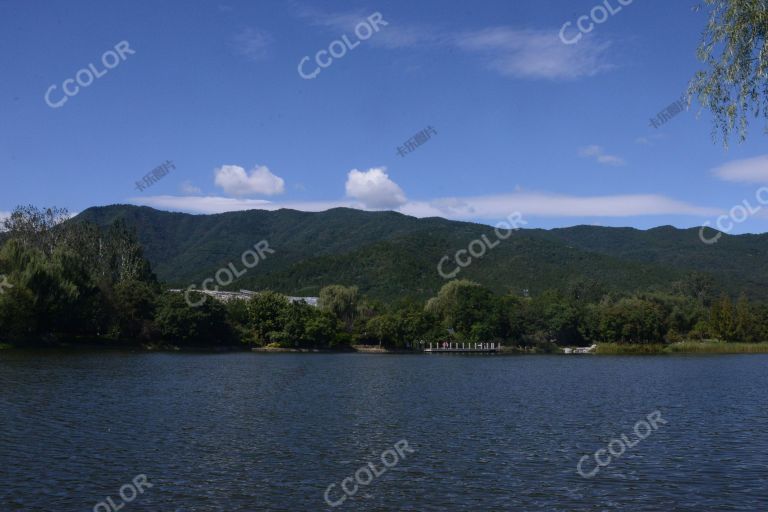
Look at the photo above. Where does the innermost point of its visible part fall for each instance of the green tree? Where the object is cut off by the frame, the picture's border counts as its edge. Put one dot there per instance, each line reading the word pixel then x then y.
pixel 735 48
pixel 18 321
pixel 470 309
pixel 445 306
pixel 36 228
pixel 239 317
pixel 722 319
pixel 632 320
pixel 744 321
pixel 134 309
pixel 557 316
pixel 71 272
pixel 297 315
pixel 322 328
pixel 341 302
pixel 204 325
pixel 697 286
pixel 58 285
pixel 268 311
pixel 383 328
pixel 516 312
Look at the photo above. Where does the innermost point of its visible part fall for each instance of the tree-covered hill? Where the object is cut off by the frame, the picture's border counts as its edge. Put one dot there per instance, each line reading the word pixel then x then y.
pixel 389 255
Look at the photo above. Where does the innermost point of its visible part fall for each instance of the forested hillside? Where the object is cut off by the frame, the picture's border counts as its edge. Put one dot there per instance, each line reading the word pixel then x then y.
pixel 376 277
pixel 388 255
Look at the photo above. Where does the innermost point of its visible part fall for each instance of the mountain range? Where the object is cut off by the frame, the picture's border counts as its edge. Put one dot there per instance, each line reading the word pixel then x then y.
pixel 388 255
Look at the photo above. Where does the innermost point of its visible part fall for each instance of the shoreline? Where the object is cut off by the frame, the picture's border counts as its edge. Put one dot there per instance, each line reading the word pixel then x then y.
pixel 682 347
pixel 603 349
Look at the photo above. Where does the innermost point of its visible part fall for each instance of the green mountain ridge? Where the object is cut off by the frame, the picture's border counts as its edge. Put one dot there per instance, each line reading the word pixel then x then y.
pixel 389 255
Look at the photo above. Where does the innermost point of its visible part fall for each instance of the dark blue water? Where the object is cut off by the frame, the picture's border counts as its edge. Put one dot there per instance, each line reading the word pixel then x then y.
pixel 247 432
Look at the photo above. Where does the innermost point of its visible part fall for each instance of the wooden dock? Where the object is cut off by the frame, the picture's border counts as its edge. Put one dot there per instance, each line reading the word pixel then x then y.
pixel 462 348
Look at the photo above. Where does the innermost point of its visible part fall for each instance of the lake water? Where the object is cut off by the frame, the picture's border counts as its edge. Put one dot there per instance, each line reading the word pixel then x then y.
pixel 249 432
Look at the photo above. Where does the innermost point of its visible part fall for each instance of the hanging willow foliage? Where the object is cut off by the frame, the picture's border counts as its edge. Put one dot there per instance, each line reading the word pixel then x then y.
pixel 735 48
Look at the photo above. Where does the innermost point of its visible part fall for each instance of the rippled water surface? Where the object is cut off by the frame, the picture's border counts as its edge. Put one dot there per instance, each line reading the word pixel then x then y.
pixel 247 432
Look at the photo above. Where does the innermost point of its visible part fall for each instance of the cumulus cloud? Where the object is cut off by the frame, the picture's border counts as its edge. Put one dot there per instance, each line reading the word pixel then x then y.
pixel 374 189
pixel 600 156
pixel 260 181
pixel 747 170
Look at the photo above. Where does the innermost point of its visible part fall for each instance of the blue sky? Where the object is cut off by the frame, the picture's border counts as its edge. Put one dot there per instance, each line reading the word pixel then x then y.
pixel 523 122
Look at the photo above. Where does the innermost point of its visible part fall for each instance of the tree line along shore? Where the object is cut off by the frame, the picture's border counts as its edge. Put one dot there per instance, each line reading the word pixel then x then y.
pixel 67 282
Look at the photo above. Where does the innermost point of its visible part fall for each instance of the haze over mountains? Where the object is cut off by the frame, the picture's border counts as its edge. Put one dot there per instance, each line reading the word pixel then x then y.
pixel 389 255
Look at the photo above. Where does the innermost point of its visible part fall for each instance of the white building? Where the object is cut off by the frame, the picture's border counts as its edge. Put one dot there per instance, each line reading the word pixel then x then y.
pixel 244 295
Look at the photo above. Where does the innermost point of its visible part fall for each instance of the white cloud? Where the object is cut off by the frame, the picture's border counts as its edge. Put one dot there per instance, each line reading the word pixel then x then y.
pixel 391 35
pixel 599 154
pixel 554 205
pixel 513 52
pixel 535 53
pixel 218 204
pixel 374 189
pixel 252 44
pixel 747 170
pixel 235 181
pixel 188 188
pixel 463 208
pixel 648 140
